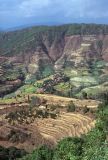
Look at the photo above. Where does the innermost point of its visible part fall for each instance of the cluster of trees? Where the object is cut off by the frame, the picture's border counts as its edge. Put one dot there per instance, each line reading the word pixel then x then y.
pixel 48 85
pixel 28 115
pixel 11 153
pixel 87 29
pixel 11 79
pixel 71 107
pixel 22 116
pixel 11 72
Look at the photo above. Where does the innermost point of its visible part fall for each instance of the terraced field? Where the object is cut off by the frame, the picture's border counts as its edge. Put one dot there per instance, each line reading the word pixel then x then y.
pixel 67 125
pixel 63 101
pixel 44 130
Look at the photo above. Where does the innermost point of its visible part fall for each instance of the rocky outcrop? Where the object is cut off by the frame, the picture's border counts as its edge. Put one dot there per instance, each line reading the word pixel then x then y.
pixel 79 50
pixel 73 50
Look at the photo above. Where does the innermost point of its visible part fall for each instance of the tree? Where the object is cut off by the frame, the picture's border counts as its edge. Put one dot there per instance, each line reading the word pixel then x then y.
pixel 69 149
pixel 86 109
pixel 84 94
pixel 42 153
pixel 71 107
pixel 35 101
pixel 11 153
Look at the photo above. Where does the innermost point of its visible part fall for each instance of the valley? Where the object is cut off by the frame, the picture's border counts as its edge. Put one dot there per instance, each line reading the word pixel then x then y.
pixel 53 86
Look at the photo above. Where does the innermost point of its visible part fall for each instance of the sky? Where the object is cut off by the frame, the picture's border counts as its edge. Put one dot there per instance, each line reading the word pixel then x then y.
pixel 14 13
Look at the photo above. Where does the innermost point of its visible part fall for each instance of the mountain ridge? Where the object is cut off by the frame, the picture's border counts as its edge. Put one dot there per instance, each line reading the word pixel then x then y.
pixel 38 52
pixel 51 32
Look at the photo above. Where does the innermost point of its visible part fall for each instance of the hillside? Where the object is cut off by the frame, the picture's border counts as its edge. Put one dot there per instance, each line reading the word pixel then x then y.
pixel 78 51
pixel 53 81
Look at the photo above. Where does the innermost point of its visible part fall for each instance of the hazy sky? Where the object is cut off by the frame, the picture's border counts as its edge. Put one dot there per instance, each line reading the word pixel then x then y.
pixel 23 12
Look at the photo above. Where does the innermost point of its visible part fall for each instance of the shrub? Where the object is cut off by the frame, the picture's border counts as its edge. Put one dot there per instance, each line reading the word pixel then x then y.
pixel 35 101
pixel 11 153
pixel 71 107
pixel 42 153
pixel 84 94
pixel 53 107
pixel 86 110
pixel 53 115
pixel 68 148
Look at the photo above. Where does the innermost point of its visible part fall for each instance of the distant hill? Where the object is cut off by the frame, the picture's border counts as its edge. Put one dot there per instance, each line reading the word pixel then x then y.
pixel 29 38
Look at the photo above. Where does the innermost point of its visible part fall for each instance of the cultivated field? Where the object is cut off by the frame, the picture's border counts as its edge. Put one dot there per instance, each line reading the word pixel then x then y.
pixel 67 125
pixel 24 129
pixel 63 101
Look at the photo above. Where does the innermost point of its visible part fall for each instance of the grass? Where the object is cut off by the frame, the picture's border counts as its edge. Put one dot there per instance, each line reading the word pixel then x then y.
pixel 27 89
pixel 24 90
pixel 73 72
pixel 84 79
pixel 8 101
pixel 44 79
pixel 93 91
pixel 70 72
pixel 64 87
pixel 100 64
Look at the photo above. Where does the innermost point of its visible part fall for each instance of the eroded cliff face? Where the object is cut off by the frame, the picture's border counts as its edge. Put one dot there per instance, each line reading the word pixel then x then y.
pixel 78 50
pixel 74 49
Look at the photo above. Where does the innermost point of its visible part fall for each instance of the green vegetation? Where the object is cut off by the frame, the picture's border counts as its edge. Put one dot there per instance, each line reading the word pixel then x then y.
pixel 86 110
pixel 84 79
pixel 71 107
pixel 11 153
pixel 35 101
pixel 11 78
pixel 63 89
pixel 42 153
pixel 94 92
pixel 11 72
pixel 46 71
pixel 10 99
pixel 27 89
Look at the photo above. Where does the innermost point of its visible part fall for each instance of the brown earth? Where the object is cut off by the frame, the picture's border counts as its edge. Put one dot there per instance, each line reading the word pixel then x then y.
pixel 45 130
